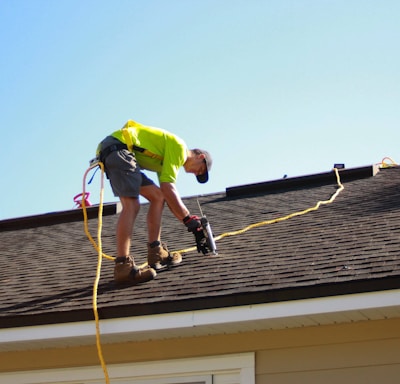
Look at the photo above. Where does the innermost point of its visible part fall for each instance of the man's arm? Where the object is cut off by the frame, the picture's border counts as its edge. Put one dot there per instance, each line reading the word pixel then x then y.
pixel 179 209
pixel 174 200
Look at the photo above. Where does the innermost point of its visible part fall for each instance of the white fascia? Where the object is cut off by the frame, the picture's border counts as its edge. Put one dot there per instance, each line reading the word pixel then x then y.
pixel 210 321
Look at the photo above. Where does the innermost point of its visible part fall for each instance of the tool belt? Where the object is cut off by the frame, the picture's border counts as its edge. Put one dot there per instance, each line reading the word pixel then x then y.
pixel 111 148
pixel 133 148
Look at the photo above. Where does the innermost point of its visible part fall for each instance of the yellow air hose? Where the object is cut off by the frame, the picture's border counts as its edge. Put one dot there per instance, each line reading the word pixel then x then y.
pixel 266 222
pixel 384 164
pixel 97 246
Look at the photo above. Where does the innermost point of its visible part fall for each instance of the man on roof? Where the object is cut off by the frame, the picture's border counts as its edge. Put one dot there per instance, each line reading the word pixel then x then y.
pixel 125 153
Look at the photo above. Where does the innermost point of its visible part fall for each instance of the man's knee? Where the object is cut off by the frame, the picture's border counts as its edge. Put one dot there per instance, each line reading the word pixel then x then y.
pixel 130 204
pixel 158 196
pixel 153 194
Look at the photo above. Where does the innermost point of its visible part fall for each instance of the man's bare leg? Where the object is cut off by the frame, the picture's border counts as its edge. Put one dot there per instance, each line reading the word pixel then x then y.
pixel 126 221
pixel 158 256
pixel 156 199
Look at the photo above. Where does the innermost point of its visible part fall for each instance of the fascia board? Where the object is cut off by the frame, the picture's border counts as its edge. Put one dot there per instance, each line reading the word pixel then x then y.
pixel 207 321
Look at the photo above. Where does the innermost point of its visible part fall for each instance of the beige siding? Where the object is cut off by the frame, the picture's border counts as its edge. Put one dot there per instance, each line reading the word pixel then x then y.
pixel 356 375
pixel 360 362
pixel 362 352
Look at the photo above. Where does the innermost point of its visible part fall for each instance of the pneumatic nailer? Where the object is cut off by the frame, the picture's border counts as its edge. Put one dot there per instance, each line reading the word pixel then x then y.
pixel 205 239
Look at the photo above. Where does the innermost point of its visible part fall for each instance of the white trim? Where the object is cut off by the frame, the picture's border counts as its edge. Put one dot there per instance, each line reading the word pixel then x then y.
pixel 346 308
pixel 241 368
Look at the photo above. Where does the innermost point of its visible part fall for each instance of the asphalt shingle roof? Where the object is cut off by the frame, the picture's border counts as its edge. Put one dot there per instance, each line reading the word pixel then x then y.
pixel 48 266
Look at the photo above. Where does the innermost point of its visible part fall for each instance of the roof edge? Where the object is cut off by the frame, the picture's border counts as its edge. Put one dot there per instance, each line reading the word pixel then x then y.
pixel 303 181
pixel 324 290
pixel 217 320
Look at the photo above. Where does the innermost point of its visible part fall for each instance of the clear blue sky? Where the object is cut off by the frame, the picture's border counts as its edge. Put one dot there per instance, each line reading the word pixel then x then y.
pixel 269 87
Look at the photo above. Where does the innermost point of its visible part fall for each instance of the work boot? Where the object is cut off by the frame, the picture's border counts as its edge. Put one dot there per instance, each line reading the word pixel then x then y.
pixel 125 271
pixel 158 256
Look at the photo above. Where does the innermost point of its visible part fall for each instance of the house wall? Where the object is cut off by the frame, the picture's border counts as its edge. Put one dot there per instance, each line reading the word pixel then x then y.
pixel 362 352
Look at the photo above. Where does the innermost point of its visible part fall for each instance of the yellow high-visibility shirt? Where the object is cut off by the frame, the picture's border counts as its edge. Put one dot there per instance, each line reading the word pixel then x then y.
pixel 167 152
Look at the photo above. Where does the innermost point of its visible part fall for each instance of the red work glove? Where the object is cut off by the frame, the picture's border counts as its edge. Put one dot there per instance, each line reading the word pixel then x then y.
pixel 193 223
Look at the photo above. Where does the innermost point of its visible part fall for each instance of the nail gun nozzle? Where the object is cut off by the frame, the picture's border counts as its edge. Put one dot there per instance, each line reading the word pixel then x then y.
pixel 212 248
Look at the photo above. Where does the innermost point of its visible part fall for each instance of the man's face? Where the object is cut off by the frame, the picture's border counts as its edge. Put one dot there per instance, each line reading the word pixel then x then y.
pixel 197 166
pixel 202 167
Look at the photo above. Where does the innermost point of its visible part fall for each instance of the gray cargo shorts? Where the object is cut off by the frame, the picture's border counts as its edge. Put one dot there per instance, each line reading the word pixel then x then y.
pixel 123 171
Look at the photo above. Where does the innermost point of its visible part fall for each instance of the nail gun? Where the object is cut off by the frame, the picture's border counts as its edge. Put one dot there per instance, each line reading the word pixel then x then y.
pixel 205 242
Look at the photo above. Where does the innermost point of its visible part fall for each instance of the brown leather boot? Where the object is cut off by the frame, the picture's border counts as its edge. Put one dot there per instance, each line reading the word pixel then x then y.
pixel 125 271
pixel 158 256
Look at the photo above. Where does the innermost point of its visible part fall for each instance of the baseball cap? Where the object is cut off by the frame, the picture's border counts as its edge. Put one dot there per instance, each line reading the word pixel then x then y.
pixel 208 162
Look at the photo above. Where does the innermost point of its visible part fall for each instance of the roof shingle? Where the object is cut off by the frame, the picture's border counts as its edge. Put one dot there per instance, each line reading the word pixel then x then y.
pixel 48 266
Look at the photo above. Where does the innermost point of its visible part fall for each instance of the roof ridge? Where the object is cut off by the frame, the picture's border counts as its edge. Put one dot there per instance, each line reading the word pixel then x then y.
pixel 58 217
pixel 308 181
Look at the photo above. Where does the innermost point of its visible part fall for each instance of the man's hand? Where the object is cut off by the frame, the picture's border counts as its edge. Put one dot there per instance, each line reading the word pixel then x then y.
pixel 193 223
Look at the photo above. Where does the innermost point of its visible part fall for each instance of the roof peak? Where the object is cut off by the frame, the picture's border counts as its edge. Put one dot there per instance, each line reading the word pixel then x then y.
pixel 302 181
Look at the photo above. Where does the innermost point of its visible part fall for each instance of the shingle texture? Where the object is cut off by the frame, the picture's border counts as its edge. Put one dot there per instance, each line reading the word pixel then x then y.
pixel 47 268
